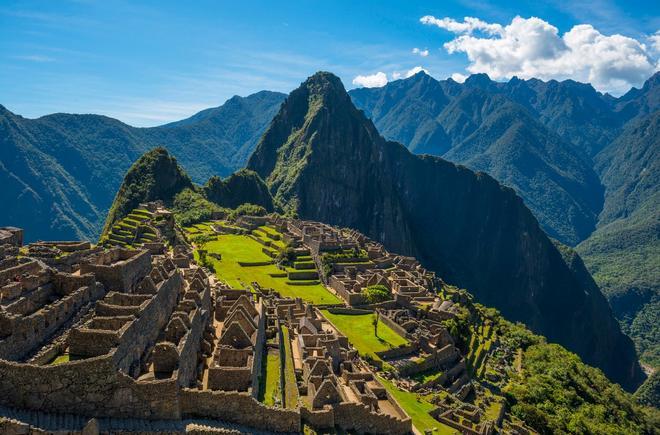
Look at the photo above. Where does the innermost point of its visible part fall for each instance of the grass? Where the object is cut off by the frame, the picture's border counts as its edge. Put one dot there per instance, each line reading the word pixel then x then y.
pixel 235 248
pixel 360 332
pixel 417 408
pixel 268 230
pixel 269 389
pixel 61 359
pixel 425 377
pixel 290 385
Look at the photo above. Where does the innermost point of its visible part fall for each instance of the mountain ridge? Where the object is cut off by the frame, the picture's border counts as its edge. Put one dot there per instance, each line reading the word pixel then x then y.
pixel 332 165
pixel 87 156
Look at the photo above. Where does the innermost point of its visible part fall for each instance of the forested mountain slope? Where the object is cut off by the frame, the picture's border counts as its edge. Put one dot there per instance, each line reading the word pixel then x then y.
pixel 324 160
pixel 62 171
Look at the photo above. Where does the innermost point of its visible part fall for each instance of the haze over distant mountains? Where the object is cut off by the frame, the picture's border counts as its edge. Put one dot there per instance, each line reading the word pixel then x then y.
pixel 62 171
pixel 586 164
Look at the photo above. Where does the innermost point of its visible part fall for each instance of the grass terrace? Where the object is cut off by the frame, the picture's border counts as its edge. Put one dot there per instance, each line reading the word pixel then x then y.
pixel 243 262
pixel 359 330
pixel 269 391
pixel 418 409
pixel 290 385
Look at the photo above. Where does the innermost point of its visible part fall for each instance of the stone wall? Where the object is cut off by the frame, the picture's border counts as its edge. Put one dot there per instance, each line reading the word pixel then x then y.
pixel 11 236
pixel 90 387
pixel 144 331
pixel 446 355
pixel 26 333
pixel 357 417
pixel 394 326
pixel 239 408
pixel 189 348
pixel 124 272
pixel 398 352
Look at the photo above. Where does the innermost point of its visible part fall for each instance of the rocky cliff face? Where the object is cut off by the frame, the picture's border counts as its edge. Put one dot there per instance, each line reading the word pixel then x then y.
pixel 528 135
pixel 323 159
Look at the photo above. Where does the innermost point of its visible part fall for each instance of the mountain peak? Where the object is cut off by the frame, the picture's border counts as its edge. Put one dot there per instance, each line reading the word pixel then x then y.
pixel 479 80
pixel 652 81
pixel 155 175
pixel 323 82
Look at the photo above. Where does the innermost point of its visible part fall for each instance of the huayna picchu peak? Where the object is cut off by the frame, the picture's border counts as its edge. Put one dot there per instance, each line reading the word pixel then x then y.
pixel 331 165
pixel 452 227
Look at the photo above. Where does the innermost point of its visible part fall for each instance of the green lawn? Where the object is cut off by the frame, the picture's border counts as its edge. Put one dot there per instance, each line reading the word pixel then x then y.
pixel 240 248
pixel 290 385
pixel 61 359
pixel 417 408
pixel 360 332
pixel 270 380
pixel 272 231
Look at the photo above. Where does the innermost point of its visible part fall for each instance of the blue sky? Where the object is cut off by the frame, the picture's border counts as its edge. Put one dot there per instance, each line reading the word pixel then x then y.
pixel 158 61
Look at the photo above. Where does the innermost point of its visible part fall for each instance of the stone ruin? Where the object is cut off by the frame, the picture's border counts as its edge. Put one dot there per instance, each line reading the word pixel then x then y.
pixel 124 336
pixel 147 335
pixel 236 361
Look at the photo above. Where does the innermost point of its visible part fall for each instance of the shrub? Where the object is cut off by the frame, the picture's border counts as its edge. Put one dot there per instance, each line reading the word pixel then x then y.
pixel 190 207
pixel 248 210
pixel 377 293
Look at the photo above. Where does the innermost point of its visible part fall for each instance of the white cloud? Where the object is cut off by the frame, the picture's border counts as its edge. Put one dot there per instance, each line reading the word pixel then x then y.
pixel 371 81
pixel 421 52
pixel 468 25
pixel 458 77
pixel 396 75
pixel 532 47
pixel 654 43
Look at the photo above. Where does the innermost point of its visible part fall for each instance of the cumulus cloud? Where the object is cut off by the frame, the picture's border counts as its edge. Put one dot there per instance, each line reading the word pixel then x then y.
pixel 421 52
pixel 380 78
pixel 396 75
pixel 654 43
pixel 371 81
pixel 532 47
pixel 458 77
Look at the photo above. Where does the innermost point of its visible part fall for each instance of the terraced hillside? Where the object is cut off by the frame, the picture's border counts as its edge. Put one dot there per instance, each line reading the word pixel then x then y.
pixel 249 256
pixel 133 231
pixel 468 390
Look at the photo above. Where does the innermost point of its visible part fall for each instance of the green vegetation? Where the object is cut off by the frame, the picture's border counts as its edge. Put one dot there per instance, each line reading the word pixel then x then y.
pixel 247 210
pixel 623 258
pixel 330 258
pixel 558 393
pixel 243 186
pixel 269 381
pixel 235 249
pixel 360 332
pixel 649 393
pixel 290 385
pixel 155 175
pixel 623 254
pixel 61 359
pixel 269 236
pixel 131 231
pixel 377 293
pixel 190 207
pixel 417 408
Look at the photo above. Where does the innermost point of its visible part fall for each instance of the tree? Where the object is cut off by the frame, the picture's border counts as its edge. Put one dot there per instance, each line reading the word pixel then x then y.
pixel 374 322
pixel 377 293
